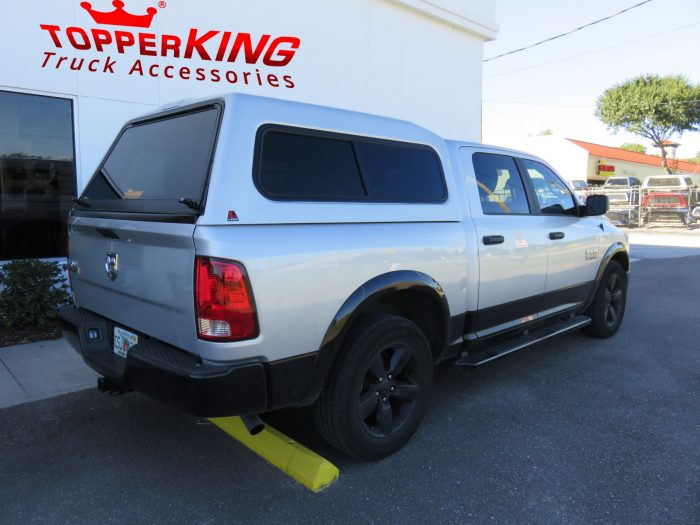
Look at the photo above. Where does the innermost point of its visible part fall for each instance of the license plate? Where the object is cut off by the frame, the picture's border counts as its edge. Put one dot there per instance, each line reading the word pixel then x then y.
pixel 123 341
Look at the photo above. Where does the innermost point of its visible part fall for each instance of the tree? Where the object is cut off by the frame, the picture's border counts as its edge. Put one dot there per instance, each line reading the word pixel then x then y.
pixel 633 146
pixel 545 133
pixel 695 159
pixel 653 107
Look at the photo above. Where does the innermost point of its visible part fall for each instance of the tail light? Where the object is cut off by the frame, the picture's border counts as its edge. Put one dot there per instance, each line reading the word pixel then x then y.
pixel 224 305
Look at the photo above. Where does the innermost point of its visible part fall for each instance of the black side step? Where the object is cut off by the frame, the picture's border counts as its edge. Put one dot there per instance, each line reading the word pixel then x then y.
pixel 518 343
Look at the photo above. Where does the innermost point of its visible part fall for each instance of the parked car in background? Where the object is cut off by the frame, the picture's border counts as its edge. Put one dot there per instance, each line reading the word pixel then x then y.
pixel 673 183
pixel 666 207
pixel 624 197
pixel 621 182
pixel 580 189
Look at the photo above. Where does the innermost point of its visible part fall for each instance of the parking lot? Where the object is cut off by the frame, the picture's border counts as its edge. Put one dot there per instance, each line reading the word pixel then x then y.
pixel 573 430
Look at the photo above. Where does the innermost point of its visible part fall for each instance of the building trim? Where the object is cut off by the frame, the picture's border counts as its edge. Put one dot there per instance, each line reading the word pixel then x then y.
pixel 454 13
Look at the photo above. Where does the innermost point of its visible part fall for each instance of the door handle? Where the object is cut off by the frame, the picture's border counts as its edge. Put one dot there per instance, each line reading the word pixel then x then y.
pixel 493 239
pixel 556 235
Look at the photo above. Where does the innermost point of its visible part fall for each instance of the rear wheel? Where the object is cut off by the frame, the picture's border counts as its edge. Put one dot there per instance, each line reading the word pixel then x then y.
pixel 608 306
pixel 378 390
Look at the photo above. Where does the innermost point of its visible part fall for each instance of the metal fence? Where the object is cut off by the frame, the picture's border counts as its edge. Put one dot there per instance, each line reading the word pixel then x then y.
pixel 637 207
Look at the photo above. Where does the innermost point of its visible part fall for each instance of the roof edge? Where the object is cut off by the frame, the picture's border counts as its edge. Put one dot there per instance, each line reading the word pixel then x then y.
pixel 453 13
pixel 611 152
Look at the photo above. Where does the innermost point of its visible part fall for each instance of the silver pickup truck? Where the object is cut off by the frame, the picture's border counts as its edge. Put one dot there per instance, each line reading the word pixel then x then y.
pixel 240 255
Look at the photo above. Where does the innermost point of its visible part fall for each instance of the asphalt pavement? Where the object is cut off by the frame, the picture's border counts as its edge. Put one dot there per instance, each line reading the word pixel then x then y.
pixel 573 430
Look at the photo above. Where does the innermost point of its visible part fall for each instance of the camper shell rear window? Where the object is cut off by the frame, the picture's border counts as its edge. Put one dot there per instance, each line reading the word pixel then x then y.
pixel 158 165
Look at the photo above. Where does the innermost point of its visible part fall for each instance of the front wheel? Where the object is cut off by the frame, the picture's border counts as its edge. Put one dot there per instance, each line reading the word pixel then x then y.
pixel 608 306
pixel 378 390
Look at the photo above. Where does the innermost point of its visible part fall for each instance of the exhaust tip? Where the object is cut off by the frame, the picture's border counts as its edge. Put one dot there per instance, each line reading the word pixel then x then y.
pixel 253 424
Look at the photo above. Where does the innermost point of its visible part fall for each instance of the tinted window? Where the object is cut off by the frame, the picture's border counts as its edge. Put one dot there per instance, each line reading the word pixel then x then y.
pixel 308 167
pixel 400 172
pixel 37 175
pixel 501 189
pixel 665 181
pixel 160 160
pixel 298 165
pixel 552 194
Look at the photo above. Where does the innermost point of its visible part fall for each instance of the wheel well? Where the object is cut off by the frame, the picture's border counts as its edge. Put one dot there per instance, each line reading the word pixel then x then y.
pixel 623 259
pixel 421 307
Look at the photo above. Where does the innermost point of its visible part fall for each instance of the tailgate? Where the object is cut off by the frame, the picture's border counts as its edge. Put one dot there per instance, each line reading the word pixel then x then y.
pixel 151 288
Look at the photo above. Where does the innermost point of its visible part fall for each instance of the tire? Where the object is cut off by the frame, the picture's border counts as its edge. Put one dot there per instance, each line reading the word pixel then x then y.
pixel 378 390
pixel 608 307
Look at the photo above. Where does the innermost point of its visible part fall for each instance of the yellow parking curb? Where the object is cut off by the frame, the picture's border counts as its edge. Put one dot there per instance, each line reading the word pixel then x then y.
pixel 295 460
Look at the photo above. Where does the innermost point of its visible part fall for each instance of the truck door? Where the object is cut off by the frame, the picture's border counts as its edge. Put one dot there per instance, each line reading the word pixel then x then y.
pixel 572 241
pixel 512 248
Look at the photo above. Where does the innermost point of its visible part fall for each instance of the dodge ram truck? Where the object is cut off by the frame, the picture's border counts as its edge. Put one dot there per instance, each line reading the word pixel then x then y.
pixel 242 254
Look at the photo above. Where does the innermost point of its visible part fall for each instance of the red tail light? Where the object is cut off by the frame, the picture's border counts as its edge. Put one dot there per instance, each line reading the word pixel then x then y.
pixel 224 304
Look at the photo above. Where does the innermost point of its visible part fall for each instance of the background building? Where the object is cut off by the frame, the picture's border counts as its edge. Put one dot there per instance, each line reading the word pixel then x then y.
pixel 578 160
pixel 73 72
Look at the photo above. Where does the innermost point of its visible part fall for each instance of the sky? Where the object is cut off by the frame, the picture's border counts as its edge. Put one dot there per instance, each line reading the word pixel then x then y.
pixel 558 83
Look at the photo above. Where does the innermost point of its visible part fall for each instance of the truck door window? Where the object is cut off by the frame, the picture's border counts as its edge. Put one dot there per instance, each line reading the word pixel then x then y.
pixel 552 193
pixel 501 190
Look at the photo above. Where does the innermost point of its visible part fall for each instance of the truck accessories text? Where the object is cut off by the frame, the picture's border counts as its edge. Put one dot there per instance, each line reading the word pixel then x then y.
pixel 223 47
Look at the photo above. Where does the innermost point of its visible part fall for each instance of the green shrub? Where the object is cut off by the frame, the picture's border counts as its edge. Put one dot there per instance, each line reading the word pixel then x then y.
pixel 31 292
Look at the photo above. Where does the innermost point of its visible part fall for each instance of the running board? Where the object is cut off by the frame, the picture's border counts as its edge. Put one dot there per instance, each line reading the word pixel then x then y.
pixel 518 343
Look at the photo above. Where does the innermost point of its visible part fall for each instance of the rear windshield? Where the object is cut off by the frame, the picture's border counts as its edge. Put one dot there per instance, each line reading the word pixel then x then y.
pixel 665 181
pixel 154 165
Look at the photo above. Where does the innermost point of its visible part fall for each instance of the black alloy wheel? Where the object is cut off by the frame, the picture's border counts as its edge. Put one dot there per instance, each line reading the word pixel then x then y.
pixel 377 391
pixel 608 306
pixel 389 391
pixel 613 298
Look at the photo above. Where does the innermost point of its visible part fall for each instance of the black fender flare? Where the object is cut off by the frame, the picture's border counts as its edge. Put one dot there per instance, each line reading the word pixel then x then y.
pixel 612 251
pixel 386 283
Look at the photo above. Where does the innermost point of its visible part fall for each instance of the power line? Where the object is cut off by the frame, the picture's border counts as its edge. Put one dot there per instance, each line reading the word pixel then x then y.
pixel 540 104
pixel 537 104
pixel 591 52
pixel 569 32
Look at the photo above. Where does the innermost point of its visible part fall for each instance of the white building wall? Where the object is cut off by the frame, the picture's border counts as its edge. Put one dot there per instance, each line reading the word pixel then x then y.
pixel 410 59
pixel 569 160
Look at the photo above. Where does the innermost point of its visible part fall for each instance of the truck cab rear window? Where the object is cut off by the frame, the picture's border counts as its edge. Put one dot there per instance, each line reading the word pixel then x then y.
pixel 155 161
pixel 300 165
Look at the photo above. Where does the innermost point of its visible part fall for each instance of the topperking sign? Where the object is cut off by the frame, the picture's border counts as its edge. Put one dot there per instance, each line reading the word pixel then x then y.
pixel 236 58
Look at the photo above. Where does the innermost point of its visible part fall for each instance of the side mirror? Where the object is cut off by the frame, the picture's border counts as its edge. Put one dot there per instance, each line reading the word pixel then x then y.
pixel 596 205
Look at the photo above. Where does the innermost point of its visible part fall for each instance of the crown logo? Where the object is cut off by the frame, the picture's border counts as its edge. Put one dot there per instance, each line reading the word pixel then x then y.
pixel 119 17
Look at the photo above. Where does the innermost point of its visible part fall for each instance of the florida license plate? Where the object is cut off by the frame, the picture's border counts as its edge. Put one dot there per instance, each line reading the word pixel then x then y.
pixel 123 341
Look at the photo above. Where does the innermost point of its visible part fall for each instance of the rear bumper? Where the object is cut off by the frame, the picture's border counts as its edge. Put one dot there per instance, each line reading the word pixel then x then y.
pixel 181 379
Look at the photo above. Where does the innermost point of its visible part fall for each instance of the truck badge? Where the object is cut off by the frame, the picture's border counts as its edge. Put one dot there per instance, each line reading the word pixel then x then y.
pixel 112 265
pixel 591 253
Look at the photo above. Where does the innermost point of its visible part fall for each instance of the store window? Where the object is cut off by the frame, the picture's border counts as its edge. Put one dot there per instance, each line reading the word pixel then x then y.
pixel 37 175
